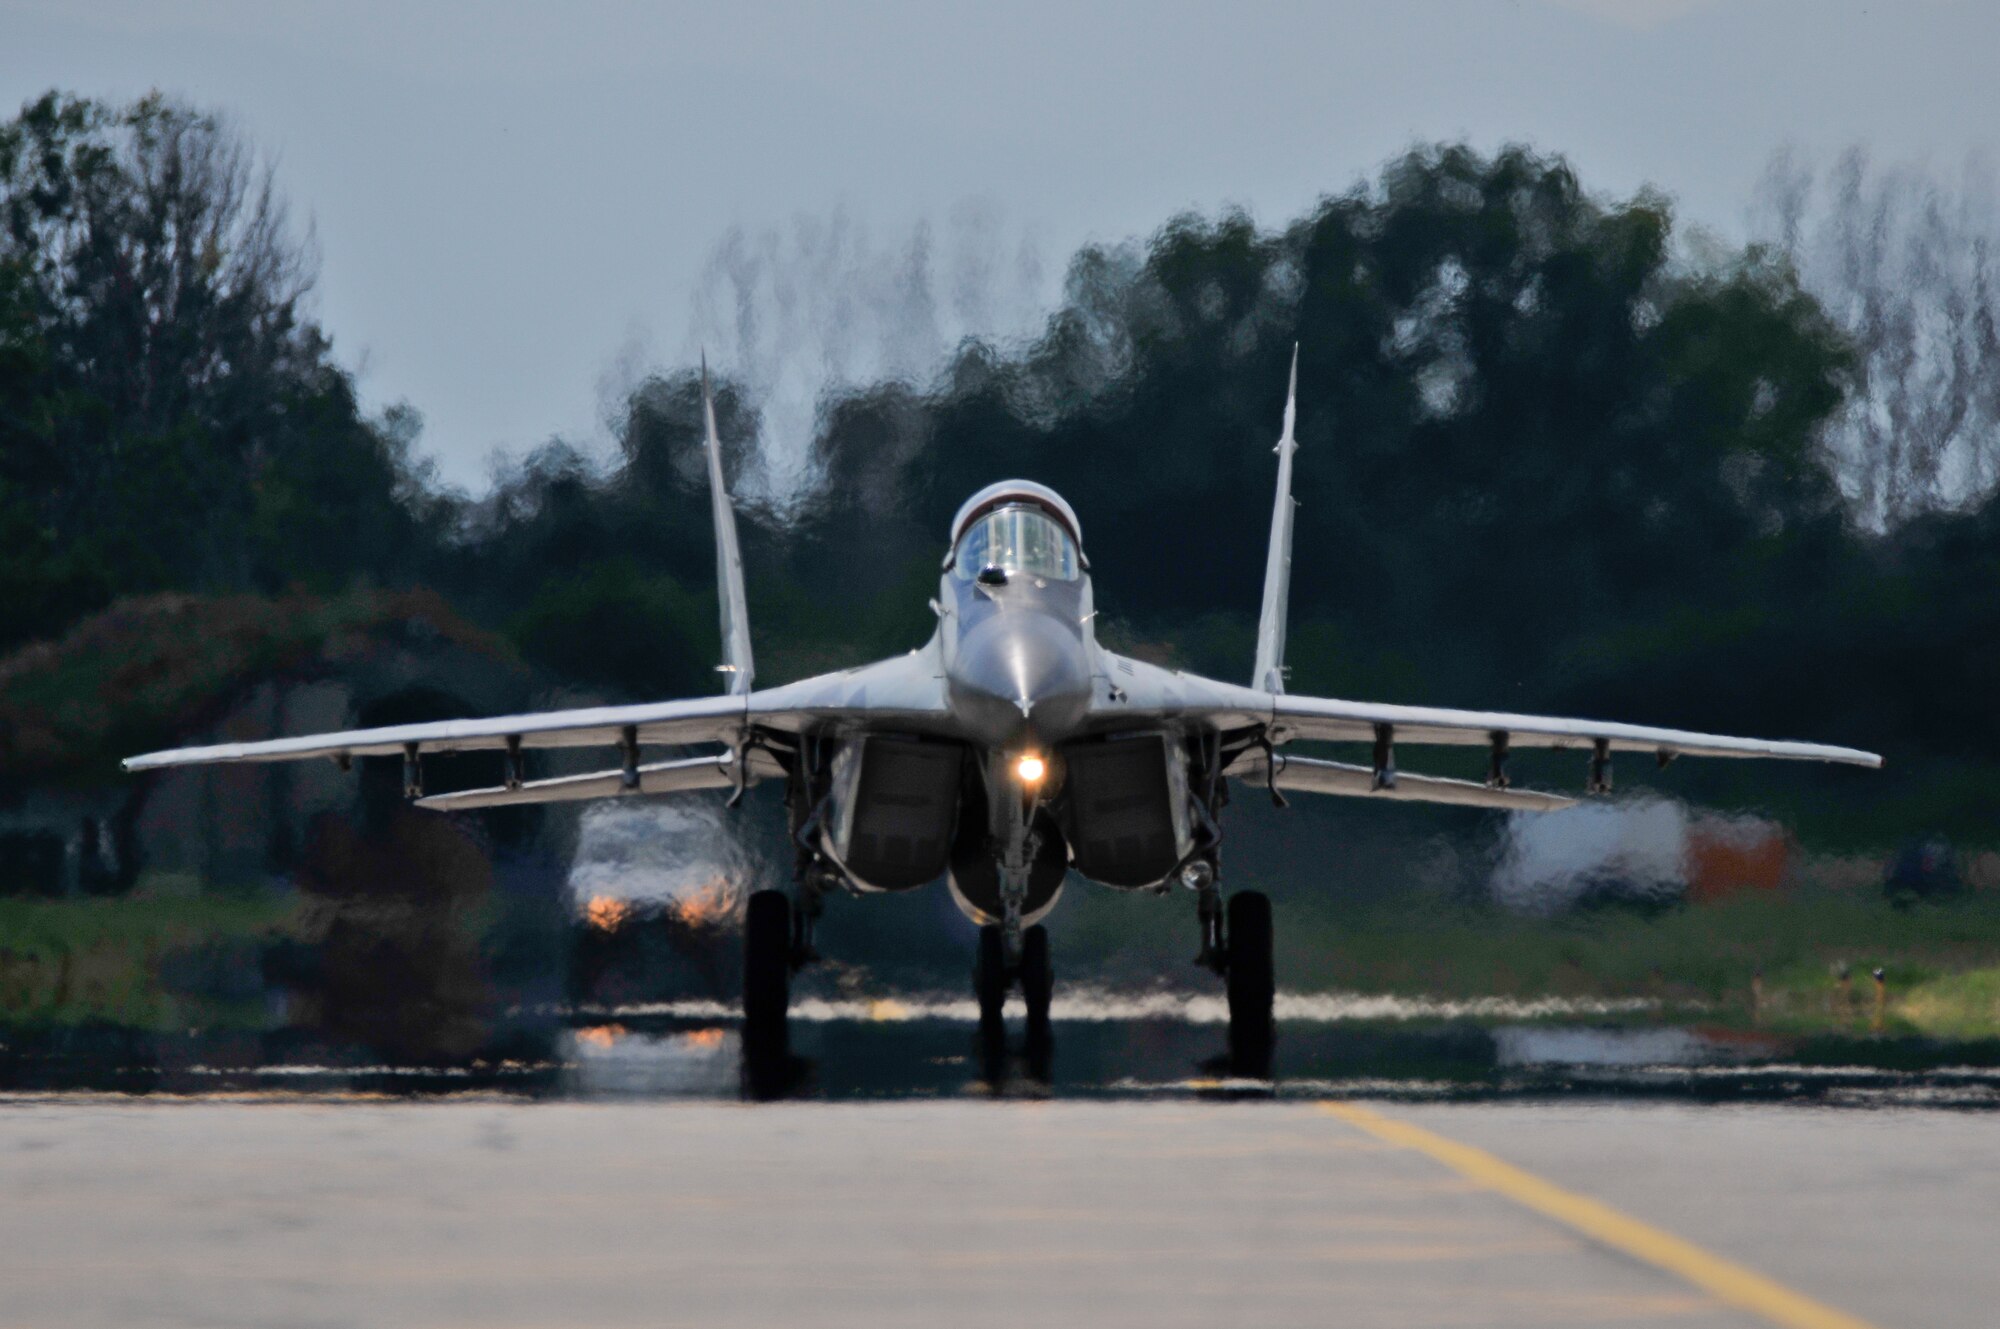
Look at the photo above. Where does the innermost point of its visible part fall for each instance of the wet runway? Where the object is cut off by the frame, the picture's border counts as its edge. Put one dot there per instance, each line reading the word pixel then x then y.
pixel 1420 1166
pixel 1138 1046
pixel 483 1210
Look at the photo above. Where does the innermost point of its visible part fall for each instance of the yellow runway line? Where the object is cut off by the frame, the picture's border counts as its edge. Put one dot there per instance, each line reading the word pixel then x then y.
pixel 1722 1279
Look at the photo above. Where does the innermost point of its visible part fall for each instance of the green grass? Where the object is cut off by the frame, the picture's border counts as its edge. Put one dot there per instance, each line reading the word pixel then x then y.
pixel 1707 954
pixel 82 961
pixel 1965 1005
pixel 126 960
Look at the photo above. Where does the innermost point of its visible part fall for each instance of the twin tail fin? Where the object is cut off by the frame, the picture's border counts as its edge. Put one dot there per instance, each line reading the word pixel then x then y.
pixel 1269 673
pixel 736 662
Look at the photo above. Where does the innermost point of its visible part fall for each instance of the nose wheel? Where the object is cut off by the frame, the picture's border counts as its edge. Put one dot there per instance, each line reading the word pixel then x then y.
pixel 1037 975
pixel 993 977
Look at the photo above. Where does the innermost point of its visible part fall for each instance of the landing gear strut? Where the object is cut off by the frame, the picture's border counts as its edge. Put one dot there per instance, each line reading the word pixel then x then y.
pixel 1199 876
pixel 807 905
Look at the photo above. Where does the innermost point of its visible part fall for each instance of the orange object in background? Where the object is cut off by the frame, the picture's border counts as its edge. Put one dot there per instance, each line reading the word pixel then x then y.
pixel 1725 859
pixel 607 913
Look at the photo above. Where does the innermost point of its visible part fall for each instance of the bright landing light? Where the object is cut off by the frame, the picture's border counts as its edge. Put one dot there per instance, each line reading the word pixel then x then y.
pixel 1031 769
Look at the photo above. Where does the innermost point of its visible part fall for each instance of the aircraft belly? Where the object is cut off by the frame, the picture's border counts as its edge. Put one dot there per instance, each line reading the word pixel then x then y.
pixel 975 870
pixel 1039 905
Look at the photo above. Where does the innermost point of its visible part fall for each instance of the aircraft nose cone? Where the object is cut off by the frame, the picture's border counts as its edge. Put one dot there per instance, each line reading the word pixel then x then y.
pixel 1020 677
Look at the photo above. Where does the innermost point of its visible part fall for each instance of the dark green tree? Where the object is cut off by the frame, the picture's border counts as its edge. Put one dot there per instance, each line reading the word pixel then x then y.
pixel 1525 421
pixel 169 416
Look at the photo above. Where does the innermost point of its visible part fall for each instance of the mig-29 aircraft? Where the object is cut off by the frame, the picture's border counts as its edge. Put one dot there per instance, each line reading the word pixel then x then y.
pixel 1007 752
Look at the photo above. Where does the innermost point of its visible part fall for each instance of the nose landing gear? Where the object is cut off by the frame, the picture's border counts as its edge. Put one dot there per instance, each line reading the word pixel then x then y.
pixel 992 977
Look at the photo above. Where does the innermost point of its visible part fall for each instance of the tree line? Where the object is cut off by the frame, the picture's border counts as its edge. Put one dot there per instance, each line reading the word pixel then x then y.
pixel 1553 455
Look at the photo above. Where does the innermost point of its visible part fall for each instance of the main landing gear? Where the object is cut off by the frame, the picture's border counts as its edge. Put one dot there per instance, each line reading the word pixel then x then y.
pixel 767 958
pixel 1251 984
pixel 1238 947
pixel 777 939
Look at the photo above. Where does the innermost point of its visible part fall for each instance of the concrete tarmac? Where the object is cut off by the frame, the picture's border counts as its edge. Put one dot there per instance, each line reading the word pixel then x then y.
pixel 491 1212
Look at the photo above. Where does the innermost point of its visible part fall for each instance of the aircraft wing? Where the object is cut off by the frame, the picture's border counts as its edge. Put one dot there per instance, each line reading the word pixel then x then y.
pixel 1331 720
pixel 905 690
pixel 1135 691
pixel 701 720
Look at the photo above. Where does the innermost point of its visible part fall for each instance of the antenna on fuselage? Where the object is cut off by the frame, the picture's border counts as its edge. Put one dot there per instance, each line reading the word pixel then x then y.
pixel 736 662
pixel 1269 673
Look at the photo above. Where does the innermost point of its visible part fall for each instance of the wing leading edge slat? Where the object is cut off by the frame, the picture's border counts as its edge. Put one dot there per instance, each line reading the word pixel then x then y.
pixel 701 720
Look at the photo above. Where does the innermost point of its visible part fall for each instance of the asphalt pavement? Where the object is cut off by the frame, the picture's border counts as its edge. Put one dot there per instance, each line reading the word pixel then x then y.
pixel 340 1210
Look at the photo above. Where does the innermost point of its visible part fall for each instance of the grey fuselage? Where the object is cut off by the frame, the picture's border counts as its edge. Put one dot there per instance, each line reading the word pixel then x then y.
pixel 1030 752
pixel 1019 657
pixel 1020 661
pixel 1023 678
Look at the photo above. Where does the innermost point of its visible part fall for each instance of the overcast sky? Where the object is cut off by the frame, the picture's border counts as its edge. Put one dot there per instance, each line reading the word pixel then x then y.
pixel 518 204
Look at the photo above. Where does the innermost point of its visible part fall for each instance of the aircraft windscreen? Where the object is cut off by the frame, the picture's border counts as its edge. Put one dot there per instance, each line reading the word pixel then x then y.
pixel 1019 539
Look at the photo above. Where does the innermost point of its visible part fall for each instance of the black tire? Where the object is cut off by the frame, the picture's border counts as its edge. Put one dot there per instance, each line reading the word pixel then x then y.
pixel 767 957
pixel 989 975
pixel 1038 975
pixel 1252 983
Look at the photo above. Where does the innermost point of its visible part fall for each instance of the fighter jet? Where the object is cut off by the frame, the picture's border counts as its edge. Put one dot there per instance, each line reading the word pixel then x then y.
pixel 1007 754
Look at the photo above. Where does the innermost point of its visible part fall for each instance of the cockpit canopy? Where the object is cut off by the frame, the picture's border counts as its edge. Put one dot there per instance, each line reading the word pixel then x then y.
pixel 1020 527
pixel 1020 539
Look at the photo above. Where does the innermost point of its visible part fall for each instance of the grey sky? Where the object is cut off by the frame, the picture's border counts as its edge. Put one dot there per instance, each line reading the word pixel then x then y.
pixel 517 203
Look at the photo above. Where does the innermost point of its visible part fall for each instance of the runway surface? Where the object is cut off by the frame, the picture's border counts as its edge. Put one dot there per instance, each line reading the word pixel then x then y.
pixel 482 1210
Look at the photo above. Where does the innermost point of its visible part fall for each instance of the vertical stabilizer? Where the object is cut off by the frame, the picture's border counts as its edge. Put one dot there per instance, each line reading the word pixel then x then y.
pixel 1269 674
pixel 728 556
